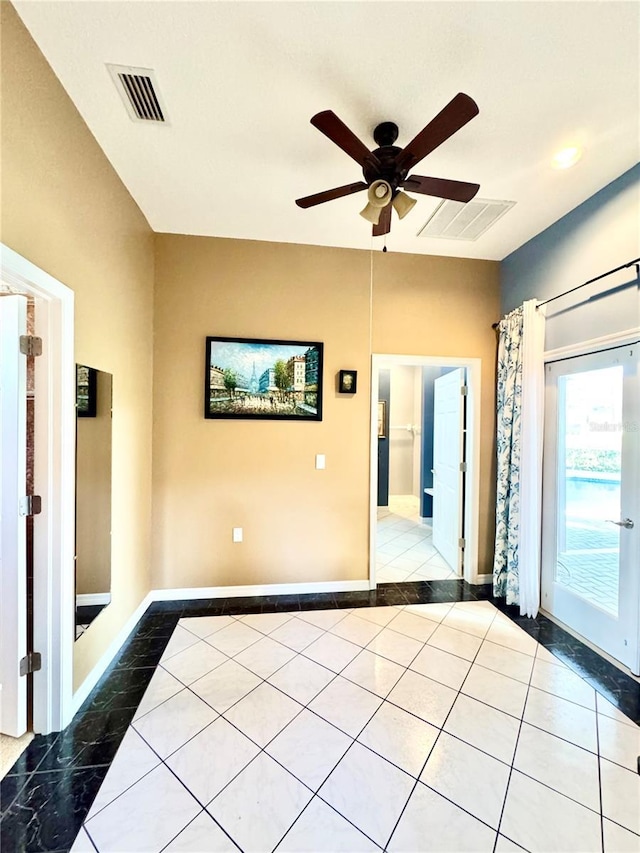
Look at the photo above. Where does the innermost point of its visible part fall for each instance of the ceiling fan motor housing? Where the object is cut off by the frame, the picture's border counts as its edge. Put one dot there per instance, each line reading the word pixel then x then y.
pixel 384 167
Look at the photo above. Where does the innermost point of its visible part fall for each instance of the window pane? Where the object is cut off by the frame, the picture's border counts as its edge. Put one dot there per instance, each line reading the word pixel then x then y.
pixel 589 456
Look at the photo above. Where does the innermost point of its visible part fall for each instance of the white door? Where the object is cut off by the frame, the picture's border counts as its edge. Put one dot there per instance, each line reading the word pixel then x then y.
pixel 591 545
pixel 448 455
pixel 13 561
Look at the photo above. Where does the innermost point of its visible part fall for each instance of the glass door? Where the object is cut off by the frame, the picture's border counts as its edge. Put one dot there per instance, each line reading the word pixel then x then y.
pixel 590 553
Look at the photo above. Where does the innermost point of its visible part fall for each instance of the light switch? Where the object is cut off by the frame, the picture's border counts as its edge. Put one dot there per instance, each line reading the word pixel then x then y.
pixel 320 461
pixel 237 534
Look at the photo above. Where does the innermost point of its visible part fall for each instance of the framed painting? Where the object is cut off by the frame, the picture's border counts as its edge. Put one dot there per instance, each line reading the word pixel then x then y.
pixel 262 379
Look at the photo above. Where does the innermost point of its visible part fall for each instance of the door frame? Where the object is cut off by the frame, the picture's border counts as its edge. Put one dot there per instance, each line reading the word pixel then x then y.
pixel 472 454
pixel 13 527
pixel 54 476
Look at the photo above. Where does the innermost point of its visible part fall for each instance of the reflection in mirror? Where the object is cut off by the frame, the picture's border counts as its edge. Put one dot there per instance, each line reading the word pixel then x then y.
pixel 93 494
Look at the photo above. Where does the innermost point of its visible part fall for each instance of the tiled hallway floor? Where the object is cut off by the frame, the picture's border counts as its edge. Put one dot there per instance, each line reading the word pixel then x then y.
pixel 404 544
pixel 406 728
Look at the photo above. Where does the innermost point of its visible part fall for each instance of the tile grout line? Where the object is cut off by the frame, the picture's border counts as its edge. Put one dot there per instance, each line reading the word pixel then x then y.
pixel 444 722
pixel 515 750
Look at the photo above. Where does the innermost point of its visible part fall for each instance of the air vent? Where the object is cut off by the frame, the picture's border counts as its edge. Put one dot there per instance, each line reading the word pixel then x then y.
pixel 139 91
pixel 454 220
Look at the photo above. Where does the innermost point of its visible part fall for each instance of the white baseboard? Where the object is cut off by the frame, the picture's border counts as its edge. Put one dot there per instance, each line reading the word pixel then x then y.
pixel 483 579
pixel 258 590
pixel 114 647
pixel 90 598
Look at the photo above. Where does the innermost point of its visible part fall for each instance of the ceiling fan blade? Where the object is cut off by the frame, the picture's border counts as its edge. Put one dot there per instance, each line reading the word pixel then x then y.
pixel 329 195
pixel 384 225
pixel 441 187
pixel 455 115
pixel 337 131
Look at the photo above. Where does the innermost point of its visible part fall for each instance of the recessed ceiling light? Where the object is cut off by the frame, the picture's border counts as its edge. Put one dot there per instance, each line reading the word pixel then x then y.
pixel 567 157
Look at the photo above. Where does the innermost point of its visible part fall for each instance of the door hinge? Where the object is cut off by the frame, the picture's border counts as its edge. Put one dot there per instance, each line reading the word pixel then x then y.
pixel 461 542
pixel 30 505
pixel 463 467
pixel 31 663
pixel 464 390
pixel 30 345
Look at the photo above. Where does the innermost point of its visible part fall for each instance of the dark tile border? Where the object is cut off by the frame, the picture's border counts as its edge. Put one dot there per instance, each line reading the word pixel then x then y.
pixel 48 792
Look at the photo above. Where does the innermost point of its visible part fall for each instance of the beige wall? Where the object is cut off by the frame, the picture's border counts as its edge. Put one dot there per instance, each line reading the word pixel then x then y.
pixel 64 208
pixel 211 475
pixel 93 494
pixel 300 525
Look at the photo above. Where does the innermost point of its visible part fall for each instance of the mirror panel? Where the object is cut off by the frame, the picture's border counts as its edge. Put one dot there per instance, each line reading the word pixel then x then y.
pixel 93 494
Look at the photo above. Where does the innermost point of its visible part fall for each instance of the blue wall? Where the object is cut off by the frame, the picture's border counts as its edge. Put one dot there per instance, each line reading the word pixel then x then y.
pixel 598 235
pixel 529 271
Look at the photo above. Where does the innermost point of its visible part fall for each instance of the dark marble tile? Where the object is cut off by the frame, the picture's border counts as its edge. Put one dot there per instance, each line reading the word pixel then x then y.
pixel 91 739
pixel 364 598
pixel 200 610
pixel 47 814
pixel 120 688
pixel 287 602
pixel 10 787
pixel 157 626
pixel 33 754
pixel 247 604
pixel 142 652
pixel 210 605
pixel 317 601
pixel 389 594
pixel 159 607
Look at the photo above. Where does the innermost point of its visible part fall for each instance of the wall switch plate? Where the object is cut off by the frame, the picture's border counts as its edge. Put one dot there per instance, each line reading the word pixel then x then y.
pixel 320 462
pixel 237 534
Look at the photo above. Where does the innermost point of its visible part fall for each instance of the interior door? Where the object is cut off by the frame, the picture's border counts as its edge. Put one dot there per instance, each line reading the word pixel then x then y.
pixel 591 546
pixel 448 455
pixel 13 561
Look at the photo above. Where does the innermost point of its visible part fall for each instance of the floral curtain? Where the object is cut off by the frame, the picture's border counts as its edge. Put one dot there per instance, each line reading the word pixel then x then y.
pixel 520 384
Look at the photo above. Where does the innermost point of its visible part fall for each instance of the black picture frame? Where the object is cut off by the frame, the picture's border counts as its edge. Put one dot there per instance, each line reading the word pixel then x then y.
pixel 86 391
pixel 347 381
pixel 263 379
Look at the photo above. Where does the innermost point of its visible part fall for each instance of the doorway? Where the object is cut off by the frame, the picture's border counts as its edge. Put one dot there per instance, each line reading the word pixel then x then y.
pixel 591 507
pixel 407 393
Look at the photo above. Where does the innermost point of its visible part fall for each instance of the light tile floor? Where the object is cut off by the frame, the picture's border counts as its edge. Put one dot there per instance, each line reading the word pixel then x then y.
pixel 429 727
pixel 404 545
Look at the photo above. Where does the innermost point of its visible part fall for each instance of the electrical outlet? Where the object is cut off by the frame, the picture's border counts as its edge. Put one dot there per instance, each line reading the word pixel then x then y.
pixel 237 534
pixel 320 462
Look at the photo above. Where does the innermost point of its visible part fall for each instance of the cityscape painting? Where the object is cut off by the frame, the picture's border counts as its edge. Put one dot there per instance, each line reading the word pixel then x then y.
pixel 263 379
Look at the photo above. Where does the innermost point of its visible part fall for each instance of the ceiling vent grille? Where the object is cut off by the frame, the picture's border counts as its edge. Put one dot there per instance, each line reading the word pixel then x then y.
pixel 454 220
pixel 139 91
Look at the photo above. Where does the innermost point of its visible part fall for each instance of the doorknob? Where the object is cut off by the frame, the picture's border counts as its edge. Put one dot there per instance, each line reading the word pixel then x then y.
pixel 626 523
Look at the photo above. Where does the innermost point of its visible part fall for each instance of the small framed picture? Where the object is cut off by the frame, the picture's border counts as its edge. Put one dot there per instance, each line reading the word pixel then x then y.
pixel 382 418
pixel 347 381
pixel 86 391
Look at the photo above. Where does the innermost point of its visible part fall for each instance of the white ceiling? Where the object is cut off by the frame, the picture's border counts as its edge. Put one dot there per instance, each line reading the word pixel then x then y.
pixel 241 80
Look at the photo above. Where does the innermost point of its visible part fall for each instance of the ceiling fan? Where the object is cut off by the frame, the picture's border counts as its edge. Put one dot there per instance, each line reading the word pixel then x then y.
pixel 386 169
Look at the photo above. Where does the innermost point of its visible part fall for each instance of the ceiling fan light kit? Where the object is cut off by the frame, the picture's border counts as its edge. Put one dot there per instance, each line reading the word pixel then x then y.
pixel 379 195
pixel 386 169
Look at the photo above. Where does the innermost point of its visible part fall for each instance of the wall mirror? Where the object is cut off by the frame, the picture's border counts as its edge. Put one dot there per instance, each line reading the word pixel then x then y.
pixel 93 494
